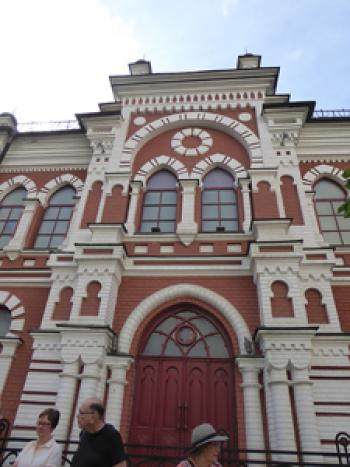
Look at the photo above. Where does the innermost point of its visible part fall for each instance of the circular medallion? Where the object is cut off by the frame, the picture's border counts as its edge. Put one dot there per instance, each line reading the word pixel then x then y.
pixel 245 116
pixel 185 335
pixel 191 142
pixel 139 121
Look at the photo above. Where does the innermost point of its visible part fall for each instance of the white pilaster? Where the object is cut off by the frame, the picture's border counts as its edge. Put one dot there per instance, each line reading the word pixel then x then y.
pixel 7 354
pixel 119 366
pixel 244 184
pixel 65 397
pixel 187 228
pixel 250 369
pixel 134 196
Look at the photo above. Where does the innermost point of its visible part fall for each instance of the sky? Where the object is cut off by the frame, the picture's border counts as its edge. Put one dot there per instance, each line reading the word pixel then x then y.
pixel 57 55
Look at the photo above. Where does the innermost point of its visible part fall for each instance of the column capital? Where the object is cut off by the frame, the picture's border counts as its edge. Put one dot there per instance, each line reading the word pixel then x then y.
pixel 250 363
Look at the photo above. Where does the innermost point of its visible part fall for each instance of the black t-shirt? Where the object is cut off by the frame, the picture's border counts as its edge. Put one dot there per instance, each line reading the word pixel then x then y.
pixel 101 449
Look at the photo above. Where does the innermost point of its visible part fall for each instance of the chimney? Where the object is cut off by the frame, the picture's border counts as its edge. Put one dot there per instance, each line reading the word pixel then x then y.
pixel 141 67
pixel 248 61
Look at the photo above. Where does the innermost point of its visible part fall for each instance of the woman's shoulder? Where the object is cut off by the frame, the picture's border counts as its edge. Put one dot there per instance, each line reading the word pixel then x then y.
pixel 184 463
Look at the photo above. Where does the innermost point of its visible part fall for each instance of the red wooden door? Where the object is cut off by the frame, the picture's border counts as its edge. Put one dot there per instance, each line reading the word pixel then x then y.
pixel 175 390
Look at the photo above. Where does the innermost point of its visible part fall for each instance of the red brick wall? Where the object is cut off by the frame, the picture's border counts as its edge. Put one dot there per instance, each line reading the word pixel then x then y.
pixel 291 200
pixel 341 295
pixel 34 301
pixel 281 304
pixel 92 205
pixel 90 304
pixel 64 305
pixel 264 202
pixel 115 206
pixel 316 311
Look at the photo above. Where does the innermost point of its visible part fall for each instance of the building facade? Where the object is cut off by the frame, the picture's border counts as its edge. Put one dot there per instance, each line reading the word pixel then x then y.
pixel 179 255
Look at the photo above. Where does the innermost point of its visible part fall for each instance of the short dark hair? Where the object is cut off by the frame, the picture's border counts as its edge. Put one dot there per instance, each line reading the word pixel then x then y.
pixel 96 407
pixel 53 416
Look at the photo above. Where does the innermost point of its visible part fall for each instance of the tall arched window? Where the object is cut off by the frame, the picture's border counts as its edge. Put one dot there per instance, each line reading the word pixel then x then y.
pixel 159 204
pixel 5 320
pixel 219 203
pixel 11 209
pixel 334 227
pixel 55 223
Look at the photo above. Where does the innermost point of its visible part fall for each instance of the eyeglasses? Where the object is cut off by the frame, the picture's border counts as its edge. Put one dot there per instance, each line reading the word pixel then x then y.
pixel 43 423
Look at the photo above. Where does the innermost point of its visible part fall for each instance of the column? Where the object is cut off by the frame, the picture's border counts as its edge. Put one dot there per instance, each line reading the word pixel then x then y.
pixel 244 184
pixel 65 397
pixel 187 228
pixel 250 369
pixel 88 388
pixel 117 382
pixel 282 414
pixel 134 197
pixel 307 423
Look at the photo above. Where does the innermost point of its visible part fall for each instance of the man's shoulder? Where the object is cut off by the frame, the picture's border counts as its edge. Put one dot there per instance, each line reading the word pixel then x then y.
pixel 109 430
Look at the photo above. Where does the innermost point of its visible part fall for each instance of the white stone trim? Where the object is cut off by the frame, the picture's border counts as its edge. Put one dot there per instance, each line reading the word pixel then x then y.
pixel 11 302
pixel 158 163
pixel 58 182
pixel 229 125
pixel 321 170
pixel 17 182
pixel 223 306
pixel 235 168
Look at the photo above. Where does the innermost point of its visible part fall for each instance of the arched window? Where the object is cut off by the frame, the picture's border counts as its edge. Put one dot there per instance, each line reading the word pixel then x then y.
pixel 10 212
pixel 334 227
pixel 5 320
pixel 186 334
pixel 219 203
pixel 159 204
pixel 55 223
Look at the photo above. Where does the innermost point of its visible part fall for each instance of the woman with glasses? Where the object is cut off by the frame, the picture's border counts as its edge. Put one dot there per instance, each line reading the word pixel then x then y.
pixel 44 451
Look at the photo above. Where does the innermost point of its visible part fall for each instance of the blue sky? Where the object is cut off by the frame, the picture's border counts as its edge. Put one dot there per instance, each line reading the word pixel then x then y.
pixel 57 56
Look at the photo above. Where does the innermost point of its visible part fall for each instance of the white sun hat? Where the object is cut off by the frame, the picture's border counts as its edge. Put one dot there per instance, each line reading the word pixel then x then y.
pixel 204 434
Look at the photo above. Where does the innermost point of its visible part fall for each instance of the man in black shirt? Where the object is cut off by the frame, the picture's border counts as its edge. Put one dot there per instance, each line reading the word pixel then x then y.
pixel 100 444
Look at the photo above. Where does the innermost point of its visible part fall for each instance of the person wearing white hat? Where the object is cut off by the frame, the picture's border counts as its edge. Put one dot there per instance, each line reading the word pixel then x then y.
pixel 205 448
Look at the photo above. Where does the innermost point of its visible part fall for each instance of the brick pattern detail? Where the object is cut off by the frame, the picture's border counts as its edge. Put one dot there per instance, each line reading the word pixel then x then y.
pixel 291 200
pixel 265 202
pixel 341 295
pixel 316 311
pixel 92 204
pixel 281 304
pixel 64 305
pixel 115 207
pixel 91 303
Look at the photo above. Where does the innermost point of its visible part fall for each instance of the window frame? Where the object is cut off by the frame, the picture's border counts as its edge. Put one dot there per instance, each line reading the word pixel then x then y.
pixel 8 219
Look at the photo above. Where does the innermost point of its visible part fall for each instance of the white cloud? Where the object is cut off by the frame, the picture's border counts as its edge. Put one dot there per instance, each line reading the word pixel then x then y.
pixel 57 56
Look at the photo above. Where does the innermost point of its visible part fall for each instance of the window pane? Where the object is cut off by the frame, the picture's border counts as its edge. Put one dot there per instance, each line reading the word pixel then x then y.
pixel 168 212
pixel 227 196
pixel 169 197
pixel 327 223
pixel 63 196
pixel 324 207
pixel 47 227
pixel 4 213
pixel 198 350
pixel 147 226
pixel 2 223
pixel 162 180
pixel 154 345
pixel 210 212
pixel 346 237
pixel 5 321
pixel 332 237
pixel 150 213
pixel 343 222
pixel 168 325
pixel 16 197
pixel 228 212
pixel 56 241
pixel 65 213
pixel 172 350
pixel 217 347
pixel 209 226
pixel 327 189
pixel 42 241
pixel 203 325
pixel 232 226
pixel 51 213
pixel 152 197
pixel 210 196
pixel 10 227
pixel 16 213
pixel 61 227
pixel 218 178
pixel 167 227
pixel 4 239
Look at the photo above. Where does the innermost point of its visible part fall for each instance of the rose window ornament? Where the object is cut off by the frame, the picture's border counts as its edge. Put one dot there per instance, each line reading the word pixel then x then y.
pixel 191 142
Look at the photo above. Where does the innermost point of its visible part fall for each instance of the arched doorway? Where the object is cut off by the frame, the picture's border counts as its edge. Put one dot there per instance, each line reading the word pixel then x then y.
pixel 184 376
